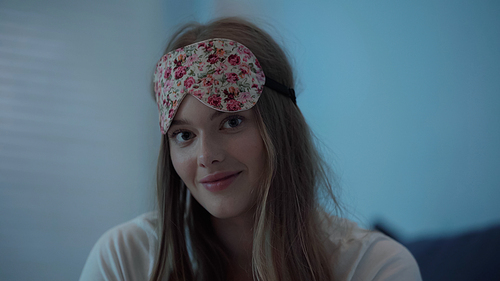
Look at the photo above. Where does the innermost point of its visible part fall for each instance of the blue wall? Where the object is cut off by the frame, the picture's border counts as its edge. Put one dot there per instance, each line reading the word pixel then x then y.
pixel 410 105
pixel 406 97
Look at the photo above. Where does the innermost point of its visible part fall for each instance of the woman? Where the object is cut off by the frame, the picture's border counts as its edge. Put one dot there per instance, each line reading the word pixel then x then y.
pixel 238 177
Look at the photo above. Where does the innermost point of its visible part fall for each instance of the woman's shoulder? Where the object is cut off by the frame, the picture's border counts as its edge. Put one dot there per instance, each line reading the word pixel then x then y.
pixel 125 252
pixel 360 254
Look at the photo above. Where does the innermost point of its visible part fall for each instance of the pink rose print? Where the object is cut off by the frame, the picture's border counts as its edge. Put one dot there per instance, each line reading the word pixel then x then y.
pixel 243 97
pixel 260 77
pixel 230 93
pixel 241 50
pixel 244 70
pixel 221 69
pixel 207 47
pixel 178 62
pixel 168 85
pixel 220 52
pixel 233 105
pixel 213 58
pixel 231 77
pixel 229 96
pixel 198 94
pixel 189 82
pixel 168 73
pixel 200 66
pixel 190 60
pixel 233 65
pixel 207 81
pixel 233 90
pixel 234 59
pixel 179 72
pixel 214 100
pixel 257 63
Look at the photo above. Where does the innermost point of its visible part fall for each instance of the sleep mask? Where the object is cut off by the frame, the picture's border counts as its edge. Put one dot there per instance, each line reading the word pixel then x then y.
pixel 221 73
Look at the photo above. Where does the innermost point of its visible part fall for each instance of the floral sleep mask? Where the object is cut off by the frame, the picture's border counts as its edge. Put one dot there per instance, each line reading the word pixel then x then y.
pixel 221 73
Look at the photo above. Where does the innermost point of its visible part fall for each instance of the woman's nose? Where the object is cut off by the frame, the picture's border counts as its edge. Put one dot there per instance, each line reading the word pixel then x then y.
pixel 211 151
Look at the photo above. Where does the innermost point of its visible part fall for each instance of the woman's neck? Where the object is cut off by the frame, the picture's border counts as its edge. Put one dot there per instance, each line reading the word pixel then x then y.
pixel 236 235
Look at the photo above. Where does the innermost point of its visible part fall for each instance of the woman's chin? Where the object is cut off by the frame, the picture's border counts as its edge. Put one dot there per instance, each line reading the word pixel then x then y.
pixel 227 212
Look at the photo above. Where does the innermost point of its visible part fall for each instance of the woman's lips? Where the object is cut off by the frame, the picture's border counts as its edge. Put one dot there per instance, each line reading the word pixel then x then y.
pixel 219 181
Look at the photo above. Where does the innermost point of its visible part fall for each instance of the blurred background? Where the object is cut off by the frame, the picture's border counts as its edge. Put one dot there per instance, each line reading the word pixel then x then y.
pixel 405 98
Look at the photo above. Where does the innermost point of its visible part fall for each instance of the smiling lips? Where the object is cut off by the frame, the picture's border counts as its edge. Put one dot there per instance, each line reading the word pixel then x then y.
pixel 219 181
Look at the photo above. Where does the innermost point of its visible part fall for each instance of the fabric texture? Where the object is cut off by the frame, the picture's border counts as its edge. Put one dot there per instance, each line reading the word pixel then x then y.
pixel 126 252
pixel 221 73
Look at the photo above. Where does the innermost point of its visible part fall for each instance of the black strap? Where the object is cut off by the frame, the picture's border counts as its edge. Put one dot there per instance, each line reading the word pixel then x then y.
pixel 280 88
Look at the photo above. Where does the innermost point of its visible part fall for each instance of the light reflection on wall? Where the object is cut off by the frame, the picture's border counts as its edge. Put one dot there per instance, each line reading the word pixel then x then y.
pixel 78 128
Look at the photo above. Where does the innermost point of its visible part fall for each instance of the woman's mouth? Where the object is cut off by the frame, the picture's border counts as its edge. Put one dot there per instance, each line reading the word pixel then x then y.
pixel 219 181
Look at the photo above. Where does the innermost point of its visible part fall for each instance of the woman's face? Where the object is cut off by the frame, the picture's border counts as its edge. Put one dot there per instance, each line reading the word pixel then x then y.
pixel 219 156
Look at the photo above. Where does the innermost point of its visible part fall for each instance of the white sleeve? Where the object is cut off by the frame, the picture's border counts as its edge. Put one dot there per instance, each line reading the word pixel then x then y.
pixel 386 260
pixel 122 253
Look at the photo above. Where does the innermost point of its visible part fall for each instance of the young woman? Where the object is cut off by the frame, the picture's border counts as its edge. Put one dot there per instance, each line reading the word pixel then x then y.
pixel 238 179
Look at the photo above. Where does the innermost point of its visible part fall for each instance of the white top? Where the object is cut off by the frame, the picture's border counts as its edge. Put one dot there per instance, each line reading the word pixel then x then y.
pixel 127 251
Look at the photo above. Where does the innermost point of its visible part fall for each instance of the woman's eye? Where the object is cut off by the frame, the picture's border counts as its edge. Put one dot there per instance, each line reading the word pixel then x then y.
pixel 184 136
pixel 232 122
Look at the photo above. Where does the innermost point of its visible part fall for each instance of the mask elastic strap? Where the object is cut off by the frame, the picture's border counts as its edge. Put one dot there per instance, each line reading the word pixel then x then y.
pixel 280 88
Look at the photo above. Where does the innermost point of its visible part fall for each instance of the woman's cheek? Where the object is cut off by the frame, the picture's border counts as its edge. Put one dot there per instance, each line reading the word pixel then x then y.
pixel 185 166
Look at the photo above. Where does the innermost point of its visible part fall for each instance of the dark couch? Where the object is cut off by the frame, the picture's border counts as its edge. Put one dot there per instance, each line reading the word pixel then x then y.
pixel 467 256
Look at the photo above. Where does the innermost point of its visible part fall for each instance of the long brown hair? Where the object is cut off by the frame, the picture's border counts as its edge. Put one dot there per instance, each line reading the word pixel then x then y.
pixel 288 241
